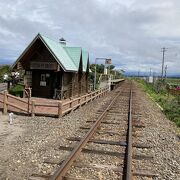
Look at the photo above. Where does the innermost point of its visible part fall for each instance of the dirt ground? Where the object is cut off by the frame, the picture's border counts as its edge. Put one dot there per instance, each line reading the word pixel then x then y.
pixel 8 135
pixel 29 142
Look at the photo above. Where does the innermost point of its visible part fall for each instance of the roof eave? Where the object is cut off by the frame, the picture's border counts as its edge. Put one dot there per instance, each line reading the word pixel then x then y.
pixel 50 50
pixel 22 54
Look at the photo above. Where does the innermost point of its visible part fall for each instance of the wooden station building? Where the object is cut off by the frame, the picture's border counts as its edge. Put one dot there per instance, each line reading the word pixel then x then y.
pixel 54 70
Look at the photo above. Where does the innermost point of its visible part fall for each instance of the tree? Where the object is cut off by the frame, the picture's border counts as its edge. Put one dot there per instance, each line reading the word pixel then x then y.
pixel 99 68
pixel 5 69
pixel 112 67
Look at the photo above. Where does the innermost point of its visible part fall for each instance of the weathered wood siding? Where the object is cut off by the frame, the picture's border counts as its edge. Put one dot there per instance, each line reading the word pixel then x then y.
pixel 37 53
pixel 40 64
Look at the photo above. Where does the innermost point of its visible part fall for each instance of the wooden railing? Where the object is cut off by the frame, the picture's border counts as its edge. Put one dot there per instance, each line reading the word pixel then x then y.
pixel 78 102
pixel 174 92
pixel 56 108
pixel 14 102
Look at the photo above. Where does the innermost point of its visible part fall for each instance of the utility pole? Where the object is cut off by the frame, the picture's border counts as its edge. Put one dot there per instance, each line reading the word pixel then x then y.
pixel 165 72
pixel 94 76
pixel 138 73
pixel 163 51
pixel 150 72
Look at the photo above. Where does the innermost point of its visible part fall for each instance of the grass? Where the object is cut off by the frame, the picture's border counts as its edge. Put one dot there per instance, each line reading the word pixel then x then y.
pixel 169 103
pixel 173 81
pixel 172 110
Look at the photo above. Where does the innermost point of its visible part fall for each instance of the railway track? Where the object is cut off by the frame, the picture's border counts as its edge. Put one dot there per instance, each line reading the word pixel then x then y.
pixel 106 149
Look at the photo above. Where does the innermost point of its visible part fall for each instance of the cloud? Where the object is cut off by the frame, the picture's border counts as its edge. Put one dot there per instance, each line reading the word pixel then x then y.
pixel 130 32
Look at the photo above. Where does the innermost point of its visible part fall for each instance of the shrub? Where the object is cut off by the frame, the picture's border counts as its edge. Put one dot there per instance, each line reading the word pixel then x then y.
pixel 172 110
pixel 170 104
pixel 17 90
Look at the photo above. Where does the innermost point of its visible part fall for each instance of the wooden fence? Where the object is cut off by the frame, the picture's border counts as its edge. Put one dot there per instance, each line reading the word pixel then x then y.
pixel 174 92
pixel 55 108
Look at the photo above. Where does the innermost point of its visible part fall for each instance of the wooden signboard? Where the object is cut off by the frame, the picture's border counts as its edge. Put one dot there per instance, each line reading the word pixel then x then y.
pixel 43 65
pixel 108 61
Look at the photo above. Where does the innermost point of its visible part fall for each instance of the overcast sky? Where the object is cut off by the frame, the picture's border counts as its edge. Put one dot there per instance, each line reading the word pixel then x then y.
pixel 131 32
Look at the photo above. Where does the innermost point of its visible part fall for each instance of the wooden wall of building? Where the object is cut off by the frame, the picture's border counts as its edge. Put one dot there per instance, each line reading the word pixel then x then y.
pixel 37 53
pixel 75 85
pixel 38 62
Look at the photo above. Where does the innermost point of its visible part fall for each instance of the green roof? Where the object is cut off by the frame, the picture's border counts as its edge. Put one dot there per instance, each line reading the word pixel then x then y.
pixel 75 54
pixel 85 57
pixel 61 55
pixel 67 57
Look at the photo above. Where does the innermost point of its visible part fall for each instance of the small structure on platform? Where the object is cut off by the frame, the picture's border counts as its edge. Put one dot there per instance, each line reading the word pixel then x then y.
pixel 54 70
pixel 115 83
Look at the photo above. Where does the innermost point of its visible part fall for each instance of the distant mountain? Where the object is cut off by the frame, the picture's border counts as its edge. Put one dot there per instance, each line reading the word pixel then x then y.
pixel 5 62
pixel 174 75
pixel 135 73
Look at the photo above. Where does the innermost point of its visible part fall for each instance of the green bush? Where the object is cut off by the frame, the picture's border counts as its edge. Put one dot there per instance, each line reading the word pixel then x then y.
pixel 172 110
pixel 17 90
pixel 170 104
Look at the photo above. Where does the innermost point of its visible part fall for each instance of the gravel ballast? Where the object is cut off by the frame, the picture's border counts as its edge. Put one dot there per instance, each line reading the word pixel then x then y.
pixel 161 134
pixel 31 145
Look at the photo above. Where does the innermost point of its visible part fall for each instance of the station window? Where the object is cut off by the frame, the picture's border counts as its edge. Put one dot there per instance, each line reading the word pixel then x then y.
pixel 45 79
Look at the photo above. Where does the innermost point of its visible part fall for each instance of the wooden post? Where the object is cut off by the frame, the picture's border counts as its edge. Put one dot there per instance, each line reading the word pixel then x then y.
pixel 86 99
pixel 71 106
pixel 5 102
pixel 100 93
pixel 79 101
pixel 60 107
pixel 91 96
pixel 32 108
pixel 28 106
pixel 30 92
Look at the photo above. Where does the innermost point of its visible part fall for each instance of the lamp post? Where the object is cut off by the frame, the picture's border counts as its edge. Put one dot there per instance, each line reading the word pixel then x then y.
pixel 95 71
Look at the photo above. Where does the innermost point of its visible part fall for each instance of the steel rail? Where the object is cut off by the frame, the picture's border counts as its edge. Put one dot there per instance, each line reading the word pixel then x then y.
pixel 61 172
pixel 128 170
